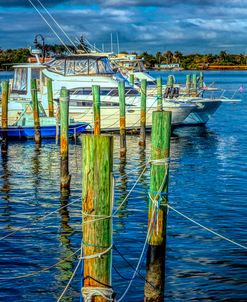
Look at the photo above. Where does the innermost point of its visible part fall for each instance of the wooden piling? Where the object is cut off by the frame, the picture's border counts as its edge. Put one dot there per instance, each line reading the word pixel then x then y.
pixel 194 84
pixel 201 80
pixel 159 93
pixel 122 121
pixel 35 103
pixel 97 165
pixel 142 141
pixel 50 97
pixel 170 81
pixel 64 138
pixel 160 151
pixel 5 99
pixel 132 79
pixel 188 83
pixel 96 109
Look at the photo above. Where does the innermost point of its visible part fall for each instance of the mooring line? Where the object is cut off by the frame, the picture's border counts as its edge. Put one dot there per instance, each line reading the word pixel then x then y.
pixel 151 226
pixel 72 276
pixel 40 271
pixel 37 220
pixel 207 229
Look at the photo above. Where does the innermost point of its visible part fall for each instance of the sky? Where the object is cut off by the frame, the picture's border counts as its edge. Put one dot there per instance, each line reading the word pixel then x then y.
pixel 189 26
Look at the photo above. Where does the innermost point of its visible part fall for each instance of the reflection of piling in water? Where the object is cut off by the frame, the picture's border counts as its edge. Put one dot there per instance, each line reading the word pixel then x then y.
pixel 64 139
pixel 97 223
pixel 36 168
pixel 5 97
pixel 142 141
pixel 122 111
pixel 66 267
pixel 35 104
pixel 160 150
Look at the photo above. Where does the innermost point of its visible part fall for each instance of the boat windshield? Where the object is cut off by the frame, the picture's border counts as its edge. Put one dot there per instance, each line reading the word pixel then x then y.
pixel 70 66
pixel 134 65
pixel 20 80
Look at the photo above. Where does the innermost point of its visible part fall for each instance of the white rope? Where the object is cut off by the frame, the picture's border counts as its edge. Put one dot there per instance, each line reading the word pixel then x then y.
pixel 37 220
pixel 207 229
pixel 72 276
pixel 58 25
pixel 130 191
pixel 89 292
pixel 42 270
pixel 145 243
pixel 44 19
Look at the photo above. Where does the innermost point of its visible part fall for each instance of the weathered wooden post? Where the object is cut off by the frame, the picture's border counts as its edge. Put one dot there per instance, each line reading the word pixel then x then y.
pixel 35 103
pixel 170 81
pixel 160 151
pixel 142 141
pixel 188 83
pixel 159 93
pixel 201 80
pixel 97 165
pixel 64 138
pixel 122 121
pixel 132 79
pixel 50 97
pixel 194 84
pixel 5 99
pixel 96 109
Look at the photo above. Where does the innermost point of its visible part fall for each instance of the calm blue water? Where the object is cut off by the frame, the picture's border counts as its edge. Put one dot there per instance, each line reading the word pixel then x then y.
pixel 207 182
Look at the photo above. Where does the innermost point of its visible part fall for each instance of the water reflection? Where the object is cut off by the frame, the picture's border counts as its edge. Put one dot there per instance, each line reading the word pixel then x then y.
pixel 36 171
pixel 66 231
pixel 5 190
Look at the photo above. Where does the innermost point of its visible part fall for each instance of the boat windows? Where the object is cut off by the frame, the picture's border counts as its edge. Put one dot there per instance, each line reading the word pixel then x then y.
pixel 80 66
pixel 20 80
pixel 35 73
pixel 104 91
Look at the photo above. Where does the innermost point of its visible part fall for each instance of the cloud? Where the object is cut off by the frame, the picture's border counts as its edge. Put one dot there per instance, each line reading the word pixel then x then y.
pixel 189 26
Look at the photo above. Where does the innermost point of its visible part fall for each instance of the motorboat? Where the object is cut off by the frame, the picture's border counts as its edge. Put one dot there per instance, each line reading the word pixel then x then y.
pixel 79 73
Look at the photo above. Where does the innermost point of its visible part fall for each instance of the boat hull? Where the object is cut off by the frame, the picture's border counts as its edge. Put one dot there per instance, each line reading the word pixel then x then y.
pixel 202 113
pixel 22 133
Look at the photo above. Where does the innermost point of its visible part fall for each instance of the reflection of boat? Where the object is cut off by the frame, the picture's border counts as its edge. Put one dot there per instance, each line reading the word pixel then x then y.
pixel 78 73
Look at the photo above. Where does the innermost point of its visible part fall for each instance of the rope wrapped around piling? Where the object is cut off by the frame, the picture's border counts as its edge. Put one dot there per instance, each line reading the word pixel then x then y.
pixel 88 293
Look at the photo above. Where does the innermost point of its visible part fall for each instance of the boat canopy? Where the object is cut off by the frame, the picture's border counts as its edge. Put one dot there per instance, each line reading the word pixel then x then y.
pixel 80 65
pixel 22 76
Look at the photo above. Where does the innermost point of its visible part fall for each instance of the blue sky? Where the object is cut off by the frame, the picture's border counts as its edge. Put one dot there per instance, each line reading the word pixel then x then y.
pixel 204 26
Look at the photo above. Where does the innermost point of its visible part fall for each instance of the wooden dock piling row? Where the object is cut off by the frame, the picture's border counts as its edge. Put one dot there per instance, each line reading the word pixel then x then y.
pixel 5 98
pixel 35 104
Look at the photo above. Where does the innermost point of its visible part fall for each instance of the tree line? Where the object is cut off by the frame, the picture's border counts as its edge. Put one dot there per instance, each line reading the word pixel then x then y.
pixel 186 61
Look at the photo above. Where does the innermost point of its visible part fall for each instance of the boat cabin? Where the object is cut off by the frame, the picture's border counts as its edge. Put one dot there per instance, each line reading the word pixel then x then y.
pixel 23 73
pixel 81 65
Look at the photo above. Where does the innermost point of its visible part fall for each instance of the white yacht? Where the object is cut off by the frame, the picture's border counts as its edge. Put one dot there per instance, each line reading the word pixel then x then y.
pixel 204 108
pixel 78 73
